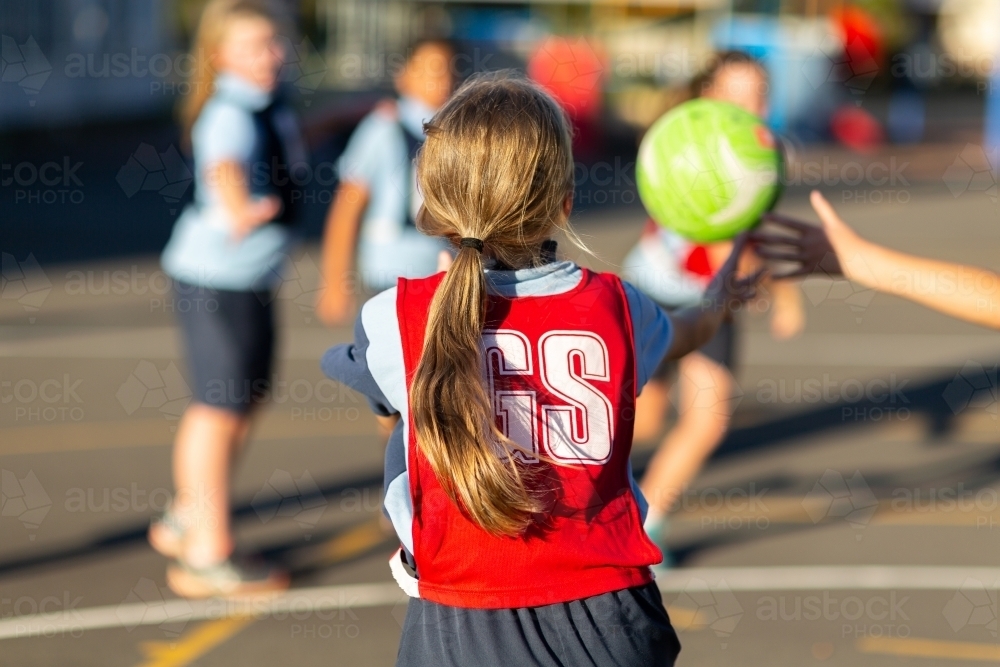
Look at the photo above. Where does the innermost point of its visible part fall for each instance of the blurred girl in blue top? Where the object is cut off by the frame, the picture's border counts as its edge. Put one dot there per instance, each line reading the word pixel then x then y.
pixel 373 216
pixel 227 247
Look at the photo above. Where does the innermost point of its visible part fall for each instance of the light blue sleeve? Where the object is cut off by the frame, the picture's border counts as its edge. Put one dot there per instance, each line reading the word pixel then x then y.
pixel 367 154
pixel 385 348
pixel 652 330
pixel 223 132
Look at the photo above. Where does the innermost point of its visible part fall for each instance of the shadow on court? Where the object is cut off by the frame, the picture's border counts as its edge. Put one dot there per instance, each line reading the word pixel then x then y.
pixel 926 399
pixel 303 559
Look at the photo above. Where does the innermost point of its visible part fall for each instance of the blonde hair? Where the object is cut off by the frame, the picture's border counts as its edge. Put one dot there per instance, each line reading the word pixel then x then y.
pixel 211 31
pixel 497 166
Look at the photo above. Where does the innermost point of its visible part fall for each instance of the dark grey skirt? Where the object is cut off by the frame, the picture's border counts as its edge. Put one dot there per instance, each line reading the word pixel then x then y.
pixel 627 628
pixel 229 338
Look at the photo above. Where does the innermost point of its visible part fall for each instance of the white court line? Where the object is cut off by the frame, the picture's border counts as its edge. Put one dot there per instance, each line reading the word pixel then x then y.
pixel 303 601
pixel 851 577
pixel 295 603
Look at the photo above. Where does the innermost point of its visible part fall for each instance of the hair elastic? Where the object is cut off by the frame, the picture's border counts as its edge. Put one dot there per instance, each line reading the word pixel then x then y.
pixel 471 242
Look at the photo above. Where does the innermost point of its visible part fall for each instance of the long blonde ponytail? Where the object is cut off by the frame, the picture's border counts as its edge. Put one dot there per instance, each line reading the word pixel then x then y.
pixel 497 166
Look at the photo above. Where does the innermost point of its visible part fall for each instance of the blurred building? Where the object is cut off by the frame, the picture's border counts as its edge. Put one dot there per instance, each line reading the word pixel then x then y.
pixel 73 61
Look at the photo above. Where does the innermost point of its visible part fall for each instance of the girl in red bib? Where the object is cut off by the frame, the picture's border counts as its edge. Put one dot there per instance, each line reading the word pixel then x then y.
pixel 510 383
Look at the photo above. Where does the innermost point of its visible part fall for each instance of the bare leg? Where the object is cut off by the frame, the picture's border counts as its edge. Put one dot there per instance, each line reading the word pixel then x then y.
pixel 650 410
pixel 207 441
pixel 706 406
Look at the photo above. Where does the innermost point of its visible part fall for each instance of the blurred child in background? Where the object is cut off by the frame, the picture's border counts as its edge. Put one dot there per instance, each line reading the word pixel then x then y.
pixel 225 256
pixel 371 222
pixel 674 272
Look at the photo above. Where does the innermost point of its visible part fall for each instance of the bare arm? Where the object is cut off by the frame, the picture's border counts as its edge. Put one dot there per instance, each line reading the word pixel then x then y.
pixel 245 212
pixel 336 301
pixel 965 292
pixel 386 424
pixel 695 325
pixel 788 317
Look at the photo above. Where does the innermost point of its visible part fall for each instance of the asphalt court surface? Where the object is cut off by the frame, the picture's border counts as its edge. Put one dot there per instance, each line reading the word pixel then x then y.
pixel 850 518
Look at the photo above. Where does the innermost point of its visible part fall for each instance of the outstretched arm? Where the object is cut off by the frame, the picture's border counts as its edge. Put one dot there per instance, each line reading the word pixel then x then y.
pixel 336 300
pixel 965 292
pixel 695 325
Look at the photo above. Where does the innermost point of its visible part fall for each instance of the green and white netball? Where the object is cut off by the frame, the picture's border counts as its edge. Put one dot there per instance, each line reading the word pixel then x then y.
pixel 708 170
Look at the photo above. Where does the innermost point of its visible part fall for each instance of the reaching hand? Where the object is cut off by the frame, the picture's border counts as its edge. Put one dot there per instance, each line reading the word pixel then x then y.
pixel 256 213
pixel 729 290
pixel 812 249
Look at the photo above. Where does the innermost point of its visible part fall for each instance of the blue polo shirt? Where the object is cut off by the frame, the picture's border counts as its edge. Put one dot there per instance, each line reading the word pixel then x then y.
pixel 202 249
pixel 377 157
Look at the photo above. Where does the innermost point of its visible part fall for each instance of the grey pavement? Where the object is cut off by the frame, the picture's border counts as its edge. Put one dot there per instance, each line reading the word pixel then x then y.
pixel 851 517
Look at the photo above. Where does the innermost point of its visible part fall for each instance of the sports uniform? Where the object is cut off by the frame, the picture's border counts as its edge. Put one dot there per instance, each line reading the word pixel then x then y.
pixel 224 286
pixel 380 156
pixel 565 351
pixel 674 272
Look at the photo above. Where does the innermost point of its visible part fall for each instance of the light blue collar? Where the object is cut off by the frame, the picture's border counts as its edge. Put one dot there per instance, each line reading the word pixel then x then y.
pixel 413 113
pixel 245 93
pixel 547 280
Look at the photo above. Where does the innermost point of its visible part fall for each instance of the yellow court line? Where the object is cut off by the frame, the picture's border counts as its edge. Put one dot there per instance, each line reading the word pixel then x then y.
pixel 930 648
pixel 353 541
pixel 194 644
pixel 208 635
pixel 685 619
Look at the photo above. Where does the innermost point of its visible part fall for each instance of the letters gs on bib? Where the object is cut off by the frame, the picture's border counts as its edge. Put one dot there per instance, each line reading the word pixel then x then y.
pixel 577 430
